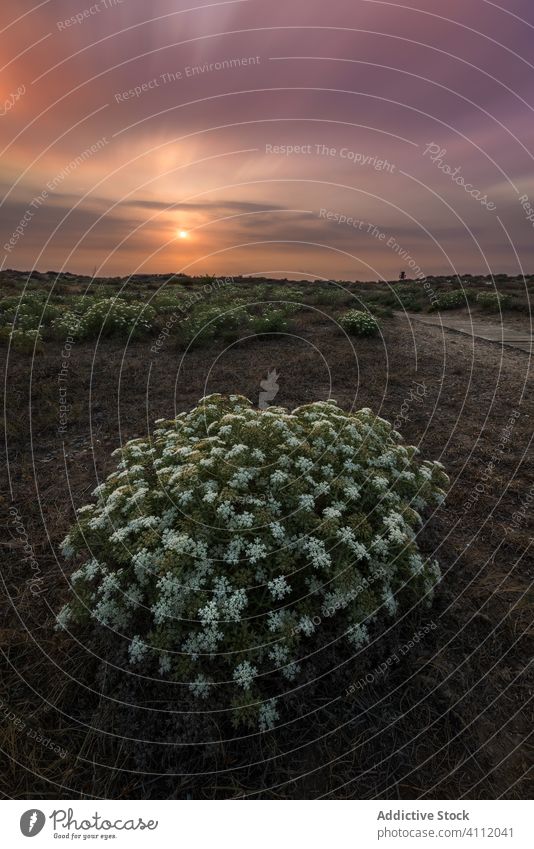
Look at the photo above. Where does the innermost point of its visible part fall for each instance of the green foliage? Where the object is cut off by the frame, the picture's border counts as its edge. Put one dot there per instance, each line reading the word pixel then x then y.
pixel 167 302
pixel 28 312
pixel 206 321
pixel 329 296
pixel 493 301
pixel 234 543
pixel 378 310
pixel 359 323
pixel 456 299
pixel 409 298
pixel 104 317
pixel 26 341
pixel 227 320
pixel 270 321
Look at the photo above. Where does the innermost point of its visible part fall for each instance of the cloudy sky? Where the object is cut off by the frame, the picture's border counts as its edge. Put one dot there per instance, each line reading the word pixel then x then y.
pixel 327 138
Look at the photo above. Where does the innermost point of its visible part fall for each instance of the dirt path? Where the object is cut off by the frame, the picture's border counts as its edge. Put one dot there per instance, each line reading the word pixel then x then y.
pixel 498 333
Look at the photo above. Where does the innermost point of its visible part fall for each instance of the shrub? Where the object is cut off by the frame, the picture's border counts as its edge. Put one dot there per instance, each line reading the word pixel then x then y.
pixel 271 321
pixel 234 542
pixel 493 302
pixel 105 317
pixel 379 311
pixel 166 303
pixel 327 296
pixel 205 322
pixel 359 323
pixel 410 298
pixel 456 299
pixel 27 341
pixel 28 312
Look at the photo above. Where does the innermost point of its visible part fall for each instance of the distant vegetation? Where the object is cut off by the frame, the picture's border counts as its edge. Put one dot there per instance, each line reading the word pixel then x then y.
pixel 40 308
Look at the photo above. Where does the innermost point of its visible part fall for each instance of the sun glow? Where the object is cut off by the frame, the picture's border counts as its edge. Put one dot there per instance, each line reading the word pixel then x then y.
pixel 182 234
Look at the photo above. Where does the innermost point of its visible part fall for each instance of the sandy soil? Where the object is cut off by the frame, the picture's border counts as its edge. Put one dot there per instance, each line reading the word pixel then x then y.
pixel 448 723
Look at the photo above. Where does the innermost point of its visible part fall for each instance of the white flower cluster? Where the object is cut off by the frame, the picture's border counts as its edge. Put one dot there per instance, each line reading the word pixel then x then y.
pixel 225 545
pixel 105 317
pixel 360 323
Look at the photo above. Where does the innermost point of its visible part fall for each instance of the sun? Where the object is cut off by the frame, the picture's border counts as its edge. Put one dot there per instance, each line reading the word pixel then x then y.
pixel 182 234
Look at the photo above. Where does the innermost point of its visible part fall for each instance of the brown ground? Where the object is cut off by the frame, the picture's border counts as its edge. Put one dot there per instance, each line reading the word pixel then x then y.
pixel 451 721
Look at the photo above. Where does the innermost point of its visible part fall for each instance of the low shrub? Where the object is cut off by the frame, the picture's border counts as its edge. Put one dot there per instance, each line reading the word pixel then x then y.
pixel 271 321
pixel 493 301
pixel 105 317
pixel 28 312
pixel 327 296
pixel 207 321
pixel 26 341
pixel 379 311
pixel 359 323
pixel 456 299
pixel 236 543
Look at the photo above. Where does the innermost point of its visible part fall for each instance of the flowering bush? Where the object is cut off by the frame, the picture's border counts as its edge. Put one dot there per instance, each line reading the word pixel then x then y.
pixel 27 311
pixel 492 301
pixel 271 320
pixel 410 298
pixel 359 323
pixel 230 319
pixel 228 546
pixel 106 317
pixel 452 300
pixel 207 321
pixel 27 341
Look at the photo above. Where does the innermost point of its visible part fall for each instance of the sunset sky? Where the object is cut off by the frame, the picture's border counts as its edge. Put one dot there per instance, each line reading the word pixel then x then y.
pixel 256 126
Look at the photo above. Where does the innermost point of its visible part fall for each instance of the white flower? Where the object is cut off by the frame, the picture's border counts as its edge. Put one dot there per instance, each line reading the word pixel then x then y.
pixel 268 715
pixel 306 626
pixel 278 478
pixel 243 520
pixel 279 588
pixel 256 551
pixel 277 530
pixel 225 511
pixel 275 620
pixel 358 636
pixel 137 650
pixel 390 602
pixel 200 687
pixel 235 605
pixel 290 671
pixel 379 546
pixel 317 553
pixel 380 483
pixel 346 535
pixel 331 513
pixel 279 654
pixel 306 502
pixel 242 478
pixel 244 674
pixel 232 553
pixel 209 613
pixel 63 617
pixel 164 664
pixel 304 464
